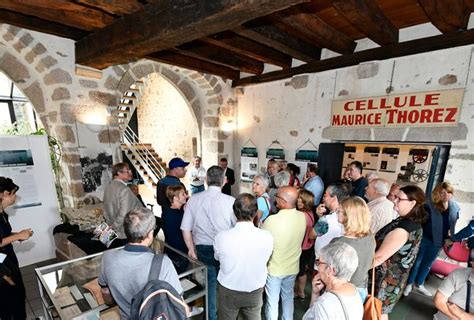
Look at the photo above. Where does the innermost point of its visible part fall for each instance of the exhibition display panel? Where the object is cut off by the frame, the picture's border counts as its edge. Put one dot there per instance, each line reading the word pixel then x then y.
pixel 69 290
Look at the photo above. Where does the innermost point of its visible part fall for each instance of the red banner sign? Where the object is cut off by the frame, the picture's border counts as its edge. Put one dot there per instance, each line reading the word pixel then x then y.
pixel 434 108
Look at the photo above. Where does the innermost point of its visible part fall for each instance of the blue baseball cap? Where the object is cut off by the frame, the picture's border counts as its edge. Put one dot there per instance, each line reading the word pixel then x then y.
pixel 177 163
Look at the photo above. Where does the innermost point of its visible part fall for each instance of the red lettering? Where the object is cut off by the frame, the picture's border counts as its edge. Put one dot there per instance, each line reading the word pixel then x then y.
pixel 369 118
pixel 451 113
pixel 370 105
pixel 344 121
pixel 378 118
pixel 413 116
pixel 360 104
pixel 413 102
pixel 438 115
pixel 426 115
pixel 402 117
pixel 432 99
pixel 391 115
pixel 336 120
pixel 358 119
pixel 346 106
pixel 397 102
pixel 383 104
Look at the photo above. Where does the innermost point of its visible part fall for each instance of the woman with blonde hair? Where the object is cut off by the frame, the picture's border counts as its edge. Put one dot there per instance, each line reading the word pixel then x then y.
pixel 354 215
pixel 443 212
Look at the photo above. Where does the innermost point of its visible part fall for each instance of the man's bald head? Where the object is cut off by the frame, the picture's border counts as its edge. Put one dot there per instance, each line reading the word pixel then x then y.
pixel 287 197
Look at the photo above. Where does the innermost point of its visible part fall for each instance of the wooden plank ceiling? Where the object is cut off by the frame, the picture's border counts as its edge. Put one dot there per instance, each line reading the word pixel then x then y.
pixel 230 37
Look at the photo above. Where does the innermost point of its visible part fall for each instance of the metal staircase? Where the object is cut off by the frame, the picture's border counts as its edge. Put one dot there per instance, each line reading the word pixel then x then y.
pixel 144 159
pixel 141 154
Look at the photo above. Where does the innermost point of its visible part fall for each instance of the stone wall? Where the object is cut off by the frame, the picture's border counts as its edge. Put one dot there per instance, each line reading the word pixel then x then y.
pixel 165 120
pixel 295 110
pixel 43 67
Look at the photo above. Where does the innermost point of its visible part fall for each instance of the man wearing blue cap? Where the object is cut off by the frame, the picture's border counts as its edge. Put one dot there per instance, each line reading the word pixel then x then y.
pixel 177 170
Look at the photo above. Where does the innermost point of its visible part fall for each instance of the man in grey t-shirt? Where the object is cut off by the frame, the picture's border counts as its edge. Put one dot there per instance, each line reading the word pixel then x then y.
pixel 453 290
pixel 124 272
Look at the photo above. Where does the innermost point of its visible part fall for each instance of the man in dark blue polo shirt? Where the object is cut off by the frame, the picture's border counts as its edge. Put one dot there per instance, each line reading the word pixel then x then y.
pixel 177 170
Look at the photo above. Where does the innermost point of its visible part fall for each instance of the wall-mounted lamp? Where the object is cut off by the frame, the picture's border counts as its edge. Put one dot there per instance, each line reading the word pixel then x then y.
pixel 228 128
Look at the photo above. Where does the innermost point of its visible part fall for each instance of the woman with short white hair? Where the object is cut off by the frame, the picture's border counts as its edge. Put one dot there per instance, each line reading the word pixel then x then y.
pixel 259 188
pixel 336 265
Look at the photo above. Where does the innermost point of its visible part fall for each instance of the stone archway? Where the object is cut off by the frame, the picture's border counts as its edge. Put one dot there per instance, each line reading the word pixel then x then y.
pixel 193 86
pixel 27 62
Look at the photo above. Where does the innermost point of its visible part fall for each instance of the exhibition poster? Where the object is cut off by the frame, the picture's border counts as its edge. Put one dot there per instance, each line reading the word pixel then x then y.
pixel 303 158
pixel 249 163
pixel 19 166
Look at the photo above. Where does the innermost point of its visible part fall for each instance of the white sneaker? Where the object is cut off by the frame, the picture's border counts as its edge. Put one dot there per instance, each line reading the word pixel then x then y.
pixel 424 291
pixel 407 290
pixel 195 311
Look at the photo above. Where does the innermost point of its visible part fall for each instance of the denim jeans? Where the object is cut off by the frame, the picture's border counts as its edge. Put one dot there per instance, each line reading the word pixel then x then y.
pixel 206 255
pixel 274 288
pixel 195 189
pixel 426 256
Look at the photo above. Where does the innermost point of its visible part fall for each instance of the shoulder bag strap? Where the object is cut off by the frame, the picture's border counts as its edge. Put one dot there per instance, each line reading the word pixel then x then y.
pixel 155 265
pixel 468 296
pixel 372 289
pixel 346 316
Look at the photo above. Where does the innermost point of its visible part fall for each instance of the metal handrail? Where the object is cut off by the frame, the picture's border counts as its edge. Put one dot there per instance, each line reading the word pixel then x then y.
pixel 154 169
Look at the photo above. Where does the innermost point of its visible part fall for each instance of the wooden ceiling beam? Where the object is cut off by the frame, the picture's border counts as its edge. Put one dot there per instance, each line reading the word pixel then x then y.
pixel 177 59
pixel 40 25
pixel 165 24
pixel 62 12
pixel 447 15
pixel 314 30
pixel 117 7
pixel 394 50
pixel 246 47
pixel 280 40
pixel 213 54
pixel 368 17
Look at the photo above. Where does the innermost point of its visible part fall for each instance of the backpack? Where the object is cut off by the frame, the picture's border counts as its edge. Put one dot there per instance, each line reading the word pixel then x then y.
pixel 158 300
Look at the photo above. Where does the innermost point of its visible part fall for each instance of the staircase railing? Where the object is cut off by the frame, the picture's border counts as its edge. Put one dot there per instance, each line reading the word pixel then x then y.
pixel 148 161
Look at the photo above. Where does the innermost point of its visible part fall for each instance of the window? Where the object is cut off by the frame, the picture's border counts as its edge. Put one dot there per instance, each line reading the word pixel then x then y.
pixel 15 108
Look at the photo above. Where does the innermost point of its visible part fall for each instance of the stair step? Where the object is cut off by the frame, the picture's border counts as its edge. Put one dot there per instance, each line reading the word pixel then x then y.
pixel 119 112
pixel 126 108
pixel 131 98
pixel 126 104
pixel 133 90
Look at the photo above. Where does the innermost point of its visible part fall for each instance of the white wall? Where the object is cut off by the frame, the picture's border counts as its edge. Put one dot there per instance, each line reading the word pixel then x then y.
pixel 295 110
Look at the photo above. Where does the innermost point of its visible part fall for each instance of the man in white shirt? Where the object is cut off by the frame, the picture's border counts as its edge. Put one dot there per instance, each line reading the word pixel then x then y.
pixel 243 253
pixel 381 209
pixel 327 227
pixel 197 176
pixel 206 214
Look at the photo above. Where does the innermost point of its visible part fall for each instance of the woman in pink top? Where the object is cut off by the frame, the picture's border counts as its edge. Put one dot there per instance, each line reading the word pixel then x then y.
pixel 305 205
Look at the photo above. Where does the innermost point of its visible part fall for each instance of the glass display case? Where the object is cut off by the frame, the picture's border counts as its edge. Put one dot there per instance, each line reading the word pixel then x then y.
pixel 69 290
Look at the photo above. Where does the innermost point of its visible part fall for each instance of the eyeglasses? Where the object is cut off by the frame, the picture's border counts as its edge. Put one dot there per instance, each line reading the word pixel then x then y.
pixel 125 170
pixel 318 263
pixel 281 198
pixel 397 198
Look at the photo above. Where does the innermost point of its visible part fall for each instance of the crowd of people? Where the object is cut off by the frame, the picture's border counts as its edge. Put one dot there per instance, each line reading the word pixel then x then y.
pixel 261 248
